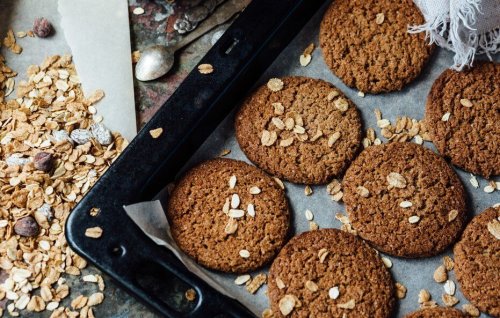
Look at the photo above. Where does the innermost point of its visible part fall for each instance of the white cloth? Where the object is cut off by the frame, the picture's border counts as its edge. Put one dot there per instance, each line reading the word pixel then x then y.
pixel 466 27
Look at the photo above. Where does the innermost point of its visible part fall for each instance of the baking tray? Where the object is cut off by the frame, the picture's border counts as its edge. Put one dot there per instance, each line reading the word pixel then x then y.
pixel 200 103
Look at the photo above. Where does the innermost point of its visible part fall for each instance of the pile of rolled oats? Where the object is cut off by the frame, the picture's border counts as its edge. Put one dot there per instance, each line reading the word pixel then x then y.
pixel 53 148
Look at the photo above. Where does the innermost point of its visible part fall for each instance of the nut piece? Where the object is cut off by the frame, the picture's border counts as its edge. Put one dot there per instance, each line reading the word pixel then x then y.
pixel 275 84
pixel 423 296
pixel 205 68
pixel 333 292
pixel 400 291
pixel 396 180
pixel 287 304
pixel 42 27
pixel 27 227
pixel 446 117
pixel 43 161
pixel 440 275
pixel 93 232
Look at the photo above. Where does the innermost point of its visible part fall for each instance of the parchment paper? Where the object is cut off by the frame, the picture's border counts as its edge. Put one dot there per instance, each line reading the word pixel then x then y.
pixel 96 33
pixel 415 274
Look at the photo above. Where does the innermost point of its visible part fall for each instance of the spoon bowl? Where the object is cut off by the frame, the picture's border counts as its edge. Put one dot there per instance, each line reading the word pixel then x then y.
pixel 155 62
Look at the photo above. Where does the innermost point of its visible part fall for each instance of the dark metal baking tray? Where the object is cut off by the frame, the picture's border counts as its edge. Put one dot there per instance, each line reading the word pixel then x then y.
pixel 200 103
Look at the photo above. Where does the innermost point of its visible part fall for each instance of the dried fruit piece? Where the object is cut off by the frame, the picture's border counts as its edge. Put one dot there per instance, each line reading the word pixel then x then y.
pixel 43 161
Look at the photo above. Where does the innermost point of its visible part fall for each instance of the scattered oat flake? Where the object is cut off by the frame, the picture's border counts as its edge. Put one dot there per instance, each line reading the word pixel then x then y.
pixel 361 94
pixel 313 226
pixel 255 190
pixel 333 138
pixel 93 232
pixel 279 283
pixel 387 262
pixel 155 133
pixel 308 190
pixel 405 204
pixel 448 263
pixel 396 180
pixel 446 117
pixel 473 181
pixel 341 104
pixel 244 253
pixel 494 228
pixel 267 313
pixel 225 152
pixel 440 275
pixel 286 304
pixel 242 279
pixel 400 291
pixel 275 84
pixel 279 182
pixel 379 19
pixel 452 215
pixel 205 68
pixel 471 310
pixel 449 287
pixel 347 305
pixel 414 219
pixel 322 254
pixel 309 215
pixel 305 59
pixel 190 294
pixel 449 300
pixel 423 296
pixel 138 11
pixel 489 189
pixel 466 102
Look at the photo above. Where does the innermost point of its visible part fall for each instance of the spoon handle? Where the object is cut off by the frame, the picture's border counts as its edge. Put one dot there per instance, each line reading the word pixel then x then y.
pixel 221 15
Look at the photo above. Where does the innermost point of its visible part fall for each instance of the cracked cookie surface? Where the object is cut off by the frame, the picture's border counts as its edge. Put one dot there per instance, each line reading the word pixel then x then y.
pixel 313 131
pixel 470 136
pixel 220 230
pixel 328 273
pixel 366 44
pixel 414 203
pixel 477 261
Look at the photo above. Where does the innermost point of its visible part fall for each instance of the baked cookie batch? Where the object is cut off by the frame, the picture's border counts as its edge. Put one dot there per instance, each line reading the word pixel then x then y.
pixel 401 198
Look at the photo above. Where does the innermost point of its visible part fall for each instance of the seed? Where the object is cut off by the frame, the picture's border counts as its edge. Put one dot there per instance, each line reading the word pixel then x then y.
pixel 155 133
pixel 244 253
pixel 400 291
pixel 414 219
pixel 405 204
pixel 255 190
pixel 341 104
pixel 286 304
pixel 452 215
pixel 231 226
pixel 348 305
pixel 232 182
pixel 205 68
pixel 305 59
pixel 387 262
pixel 240 280
pixel 333 292
pixel 234 213
pixel 465 102
pixel 379 19
pixel 279 283
pixel 449 287
pixel 275 84
pixel 311 286
pixel 235 201
pixel 333 138
pixel 396 180
pixel 423 296
pixel 309 215
pixel 93 232
pixel 362 191
pixel 440 274
pixel 251 210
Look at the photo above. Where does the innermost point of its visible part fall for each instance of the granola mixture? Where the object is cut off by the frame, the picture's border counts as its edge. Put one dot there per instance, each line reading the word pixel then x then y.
pixel 53 148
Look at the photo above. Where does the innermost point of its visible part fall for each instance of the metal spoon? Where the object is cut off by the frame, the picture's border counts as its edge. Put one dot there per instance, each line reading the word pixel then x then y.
pixel 157 60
